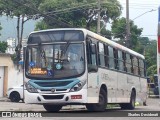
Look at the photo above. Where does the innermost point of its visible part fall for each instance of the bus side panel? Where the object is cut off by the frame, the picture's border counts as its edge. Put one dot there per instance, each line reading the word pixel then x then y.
pixel 122 91
pixel 109 78
pixel 143 89
pixel 93 88
pixel 133 82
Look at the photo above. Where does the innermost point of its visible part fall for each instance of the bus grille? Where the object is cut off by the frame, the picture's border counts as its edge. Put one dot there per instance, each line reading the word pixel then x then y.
pixel 53 96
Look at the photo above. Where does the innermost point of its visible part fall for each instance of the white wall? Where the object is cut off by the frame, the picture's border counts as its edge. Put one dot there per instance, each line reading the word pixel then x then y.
pixel 15 77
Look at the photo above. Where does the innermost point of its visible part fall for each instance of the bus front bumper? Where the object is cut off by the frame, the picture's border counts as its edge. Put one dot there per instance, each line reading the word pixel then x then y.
pixel 60 98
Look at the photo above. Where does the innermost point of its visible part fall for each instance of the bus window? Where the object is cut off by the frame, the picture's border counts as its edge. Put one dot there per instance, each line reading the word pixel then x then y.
pixel 120 61
pixel 111 58
pixel 115 58
pixel 141 66
pixel 106 56
pixel 135 66
pixel 128 63
pixel 91 57
pixel 101 54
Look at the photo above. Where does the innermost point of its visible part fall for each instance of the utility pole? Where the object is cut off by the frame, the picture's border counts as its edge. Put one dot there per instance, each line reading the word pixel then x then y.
pixel 99 17
pixel 127 25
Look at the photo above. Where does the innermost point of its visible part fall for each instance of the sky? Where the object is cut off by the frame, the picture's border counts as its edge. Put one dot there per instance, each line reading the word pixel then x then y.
pixel 148 21
pixel 9 27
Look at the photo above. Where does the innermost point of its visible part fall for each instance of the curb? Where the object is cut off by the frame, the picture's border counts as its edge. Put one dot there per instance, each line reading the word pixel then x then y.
pixel 4 100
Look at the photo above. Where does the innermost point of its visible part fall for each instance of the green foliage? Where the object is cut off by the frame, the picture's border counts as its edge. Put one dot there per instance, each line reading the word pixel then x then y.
pixel 41 25
pixel 69 13
pixel 3 46
pixel 119 31
pixel 152 70
pixel 19 7
pixel 106 33
pixel 139 44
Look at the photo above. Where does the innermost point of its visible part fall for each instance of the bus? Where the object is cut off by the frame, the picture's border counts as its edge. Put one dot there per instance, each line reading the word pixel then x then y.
pixel 74 66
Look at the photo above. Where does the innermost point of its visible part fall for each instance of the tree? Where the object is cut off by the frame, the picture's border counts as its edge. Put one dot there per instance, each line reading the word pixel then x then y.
pixel 152 70
pixel 75 13
pixel 3 46
pixel 106 33
pixel 151 53
pixel 24 10
pixel 119 31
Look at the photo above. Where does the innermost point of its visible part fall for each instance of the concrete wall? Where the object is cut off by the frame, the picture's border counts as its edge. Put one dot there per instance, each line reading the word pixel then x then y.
pixel 12 76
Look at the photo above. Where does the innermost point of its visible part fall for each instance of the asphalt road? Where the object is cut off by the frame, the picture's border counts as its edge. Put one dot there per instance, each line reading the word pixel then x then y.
pixel 79 112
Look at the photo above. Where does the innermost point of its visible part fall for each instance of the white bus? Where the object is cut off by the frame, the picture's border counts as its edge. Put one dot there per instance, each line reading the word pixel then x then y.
pixel 74 66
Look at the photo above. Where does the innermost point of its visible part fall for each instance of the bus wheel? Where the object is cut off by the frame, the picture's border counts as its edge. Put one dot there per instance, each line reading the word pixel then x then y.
pixel 52 108
pixel 101 106
pixel 130 105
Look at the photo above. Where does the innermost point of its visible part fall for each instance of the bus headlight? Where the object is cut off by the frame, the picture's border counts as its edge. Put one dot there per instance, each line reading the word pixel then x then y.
pixel 78 86
pixel 30 88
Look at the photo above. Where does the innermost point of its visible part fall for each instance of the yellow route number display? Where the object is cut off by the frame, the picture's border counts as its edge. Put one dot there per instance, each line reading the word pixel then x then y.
pixel 37 71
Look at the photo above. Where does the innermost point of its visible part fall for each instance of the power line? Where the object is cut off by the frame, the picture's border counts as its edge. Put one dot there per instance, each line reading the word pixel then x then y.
pixel 45 15
pixel 72 8
pixel 144 14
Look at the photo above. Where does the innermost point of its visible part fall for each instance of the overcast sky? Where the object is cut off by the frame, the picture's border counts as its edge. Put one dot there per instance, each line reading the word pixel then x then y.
pixel 148 21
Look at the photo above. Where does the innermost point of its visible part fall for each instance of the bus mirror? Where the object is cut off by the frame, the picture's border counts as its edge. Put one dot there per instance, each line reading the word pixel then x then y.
pixel 93 48
pixel 92 68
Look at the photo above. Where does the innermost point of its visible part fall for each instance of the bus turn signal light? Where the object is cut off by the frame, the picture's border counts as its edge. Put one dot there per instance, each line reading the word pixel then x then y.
pixel 76 96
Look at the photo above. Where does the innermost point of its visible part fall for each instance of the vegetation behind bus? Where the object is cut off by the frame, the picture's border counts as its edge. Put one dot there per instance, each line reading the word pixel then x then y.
pixel 80 8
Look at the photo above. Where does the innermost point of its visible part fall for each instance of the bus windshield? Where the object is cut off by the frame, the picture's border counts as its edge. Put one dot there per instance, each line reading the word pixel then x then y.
pixel 55 61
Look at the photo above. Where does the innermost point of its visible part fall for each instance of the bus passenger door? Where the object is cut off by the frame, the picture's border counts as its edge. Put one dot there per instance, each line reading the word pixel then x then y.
pixel 93 78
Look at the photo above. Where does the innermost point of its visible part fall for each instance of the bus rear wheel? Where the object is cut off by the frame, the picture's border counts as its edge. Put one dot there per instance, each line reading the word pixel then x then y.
pixel 130 105
pixel 52 108
pixel 101 106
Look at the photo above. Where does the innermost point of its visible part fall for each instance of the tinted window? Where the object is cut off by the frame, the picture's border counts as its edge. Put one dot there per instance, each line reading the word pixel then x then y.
pixel 135 66
pixel 128 63
pixel 101 55
pixel 141 66
pixel 59 36
pixel 120 60
pixel 111 57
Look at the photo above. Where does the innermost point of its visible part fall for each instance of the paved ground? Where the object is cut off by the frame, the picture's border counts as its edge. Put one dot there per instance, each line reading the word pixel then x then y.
pixel 79 112
pixel 153 104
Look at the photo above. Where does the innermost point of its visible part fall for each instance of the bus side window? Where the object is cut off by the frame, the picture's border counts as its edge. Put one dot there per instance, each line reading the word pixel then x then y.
pixel 120 61
pixel 116 58
pixel 135 66
pixel 141 67
pixel 111 58
pixel 131 57
pixel 128 63
pixel 92 56
pixel 106 56
pixel 124 61
pixel 101 54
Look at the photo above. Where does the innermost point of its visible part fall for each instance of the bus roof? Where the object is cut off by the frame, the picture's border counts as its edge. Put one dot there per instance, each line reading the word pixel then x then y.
pixel 98 37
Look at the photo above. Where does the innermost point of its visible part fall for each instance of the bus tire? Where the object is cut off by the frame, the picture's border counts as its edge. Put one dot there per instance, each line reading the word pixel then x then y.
pixel 131 105
pixel 101 106
pixel 52 108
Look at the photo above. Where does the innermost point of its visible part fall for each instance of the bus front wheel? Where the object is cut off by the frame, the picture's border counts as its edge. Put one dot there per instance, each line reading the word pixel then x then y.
pixel 52 108
pixel 101 106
